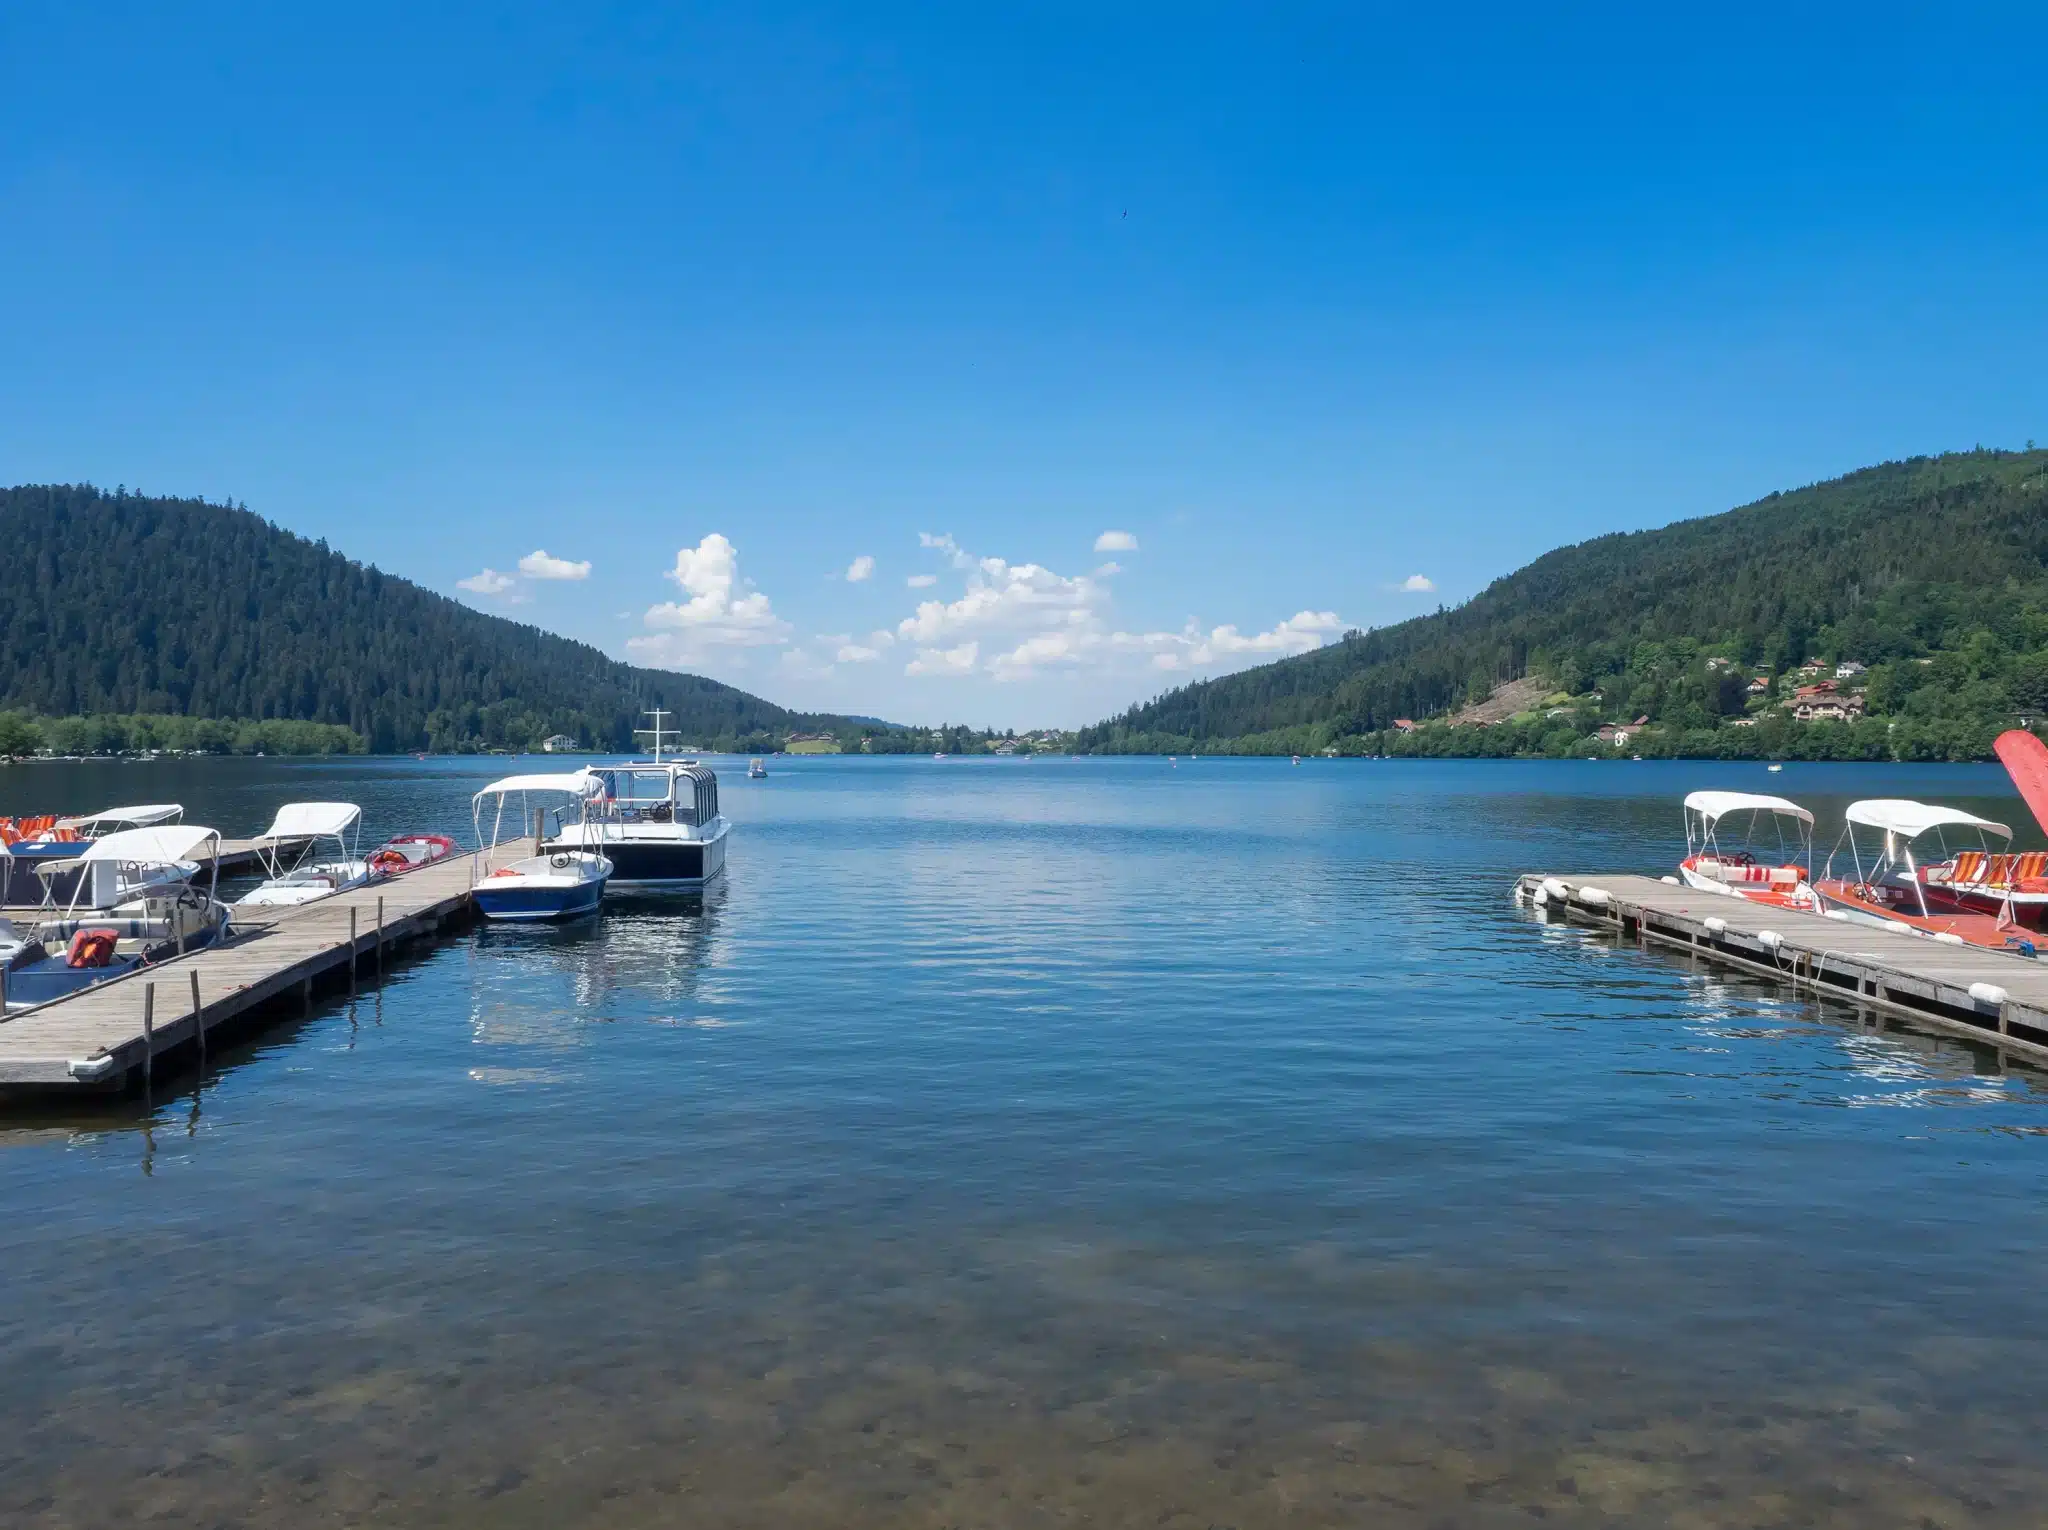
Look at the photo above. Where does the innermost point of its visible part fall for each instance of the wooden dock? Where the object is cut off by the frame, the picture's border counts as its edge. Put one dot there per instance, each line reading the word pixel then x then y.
pixel 1996 997
pixel 110 1037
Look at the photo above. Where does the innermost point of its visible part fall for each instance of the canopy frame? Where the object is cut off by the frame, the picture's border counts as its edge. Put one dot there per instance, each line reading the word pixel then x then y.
pixel 1901 824
pixel 305 825
pixel 1704 811
pixel 579 787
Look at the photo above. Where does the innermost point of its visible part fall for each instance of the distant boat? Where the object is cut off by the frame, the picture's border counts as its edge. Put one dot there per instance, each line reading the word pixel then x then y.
pixel 939 756
pixel 1297 759
pixel 1774 769
pixel 756 771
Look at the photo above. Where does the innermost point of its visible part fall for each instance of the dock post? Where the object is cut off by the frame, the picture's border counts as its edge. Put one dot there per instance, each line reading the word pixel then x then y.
pixel 380 938
pixel 198 1023
pixel 351 950
pixel 148 1030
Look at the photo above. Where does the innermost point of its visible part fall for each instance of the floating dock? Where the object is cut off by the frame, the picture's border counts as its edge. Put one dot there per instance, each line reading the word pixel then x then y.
pixel 1996 997
pixel 112 1036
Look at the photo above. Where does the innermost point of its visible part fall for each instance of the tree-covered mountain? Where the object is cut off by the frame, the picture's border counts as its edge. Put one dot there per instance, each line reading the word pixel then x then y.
pixel 121 604
pixel 1933 572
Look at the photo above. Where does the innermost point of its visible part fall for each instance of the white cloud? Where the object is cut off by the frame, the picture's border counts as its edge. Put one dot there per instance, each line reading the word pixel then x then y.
pixel 922 581
pixel 1107 570
pixel 489 582
pixel 1418 584
pixel 1029 619
pixel 723 609
pixel 859 569
pixel 881 637
pixel 538 565
pixel 1003 596
pixel 1116 541
pixel 945 544
pixel 856 653
pixel 796 664
pixel 949 661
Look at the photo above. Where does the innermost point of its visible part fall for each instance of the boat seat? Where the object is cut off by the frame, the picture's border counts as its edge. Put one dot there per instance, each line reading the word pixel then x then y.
pixel 1969 867
pixel 1784 876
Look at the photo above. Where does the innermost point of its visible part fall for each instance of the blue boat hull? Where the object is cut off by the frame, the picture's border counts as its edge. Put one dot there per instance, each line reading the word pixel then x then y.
pixel 537 903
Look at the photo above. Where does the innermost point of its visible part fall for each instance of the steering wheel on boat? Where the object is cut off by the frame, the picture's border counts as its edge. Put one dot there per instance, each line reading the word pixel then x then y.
pixel 561 861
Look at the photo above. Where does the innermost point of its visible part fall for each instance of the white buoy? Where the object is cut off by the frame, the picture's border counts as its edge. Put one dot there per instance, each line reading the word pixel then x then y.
pixel 1950 938
pixel 1987 993
pixel 1669 881
pixel 1540 898
pixel 1840 914
pixel 1594 897
pixel 1717 926
pixel 1556 889
pixel 1771 939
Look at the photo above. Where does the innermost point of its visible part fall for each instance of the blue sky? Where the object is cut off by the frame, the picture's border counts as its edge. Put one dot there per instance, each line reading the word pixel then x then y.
pixel 1304 302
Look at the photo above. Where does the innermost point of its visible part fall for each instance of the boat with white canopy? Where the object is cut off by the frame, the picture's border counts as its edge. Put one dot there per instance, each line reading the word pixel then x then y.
pixel 1715 861
pixel 656 820
pixel 40 841
pixel 133 903
pixel 296 870
pixel 554 882
pixel 1885 883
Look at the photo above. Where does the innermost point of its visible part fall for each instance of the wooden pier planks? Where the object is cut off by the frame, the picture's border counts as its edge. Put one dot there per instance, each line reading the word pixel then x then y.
pixel 1992 996
pixel 273 952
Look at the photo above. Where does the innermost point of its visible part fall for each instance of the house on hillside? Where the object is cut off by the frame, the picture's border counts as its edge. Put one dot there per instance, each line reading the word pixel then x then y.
pixel 559 743
pixel 1760 685
pixel 1742 722
pixel 1814 692
pixel 1717 662
pixel 1615 734
pixel 1849 669
pixel 1404 725
pixel 1828 709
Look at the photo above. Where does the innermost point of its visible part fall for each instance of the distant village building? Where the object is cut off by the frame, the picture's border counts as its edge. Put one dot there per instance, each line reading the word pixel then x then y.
pixel 1849 669
pixel 1717 662
pixel 560 743
pixel 1404 725
pixel 1759 685
pixel 1742 722
pixel 1829 709
pixel 1611 733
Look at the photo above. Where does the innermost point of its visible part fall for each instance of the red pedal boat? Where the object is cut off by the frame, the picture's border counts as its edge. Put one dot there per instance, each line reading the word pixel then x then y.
pixel 409 852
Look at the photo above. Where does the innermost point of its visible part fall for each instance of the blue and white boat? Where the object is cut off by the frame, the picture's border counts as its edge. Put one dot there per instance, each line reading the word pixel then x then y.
pixel 557 882
pixel 133 903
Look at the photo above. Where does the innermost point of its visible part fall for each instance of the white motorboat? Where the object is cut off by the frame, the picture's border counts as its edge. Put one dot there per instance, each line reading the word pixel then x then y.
pixel 1715 863
pixel 304 829
pixel 656 820
pixel 552 883
pixel 132 904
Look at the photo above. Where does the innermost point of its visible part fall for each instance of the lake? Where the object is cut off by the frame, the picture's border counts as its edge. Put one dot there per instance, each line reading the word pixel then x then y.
pixel 1043 1142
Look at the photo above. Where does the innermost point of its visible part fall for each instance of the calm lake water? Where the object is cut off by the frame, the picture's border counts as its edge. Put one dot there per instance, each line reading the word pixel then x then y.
pixel 1044 1143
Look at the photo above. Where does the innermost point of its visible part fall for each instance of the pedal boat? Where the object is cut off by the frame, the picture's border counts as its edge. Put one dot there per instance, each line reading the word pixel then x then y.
pixel 1713 864
pixel 1892 890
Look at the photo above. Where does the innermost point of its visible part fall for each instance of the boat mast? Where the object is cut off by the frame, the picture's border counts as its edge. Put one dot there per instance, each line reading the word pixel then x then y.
pixel 657 714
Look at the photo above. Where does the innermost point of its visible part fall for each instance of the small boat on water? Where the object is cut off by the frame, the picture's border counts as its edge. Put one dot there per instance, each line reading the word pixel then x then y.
pixel 133 904
pixel 305 827
pixel 1891 888
pixel 557 882
pixel 409 852
pixel 32 843
pixel 756 771
pixel 1713 863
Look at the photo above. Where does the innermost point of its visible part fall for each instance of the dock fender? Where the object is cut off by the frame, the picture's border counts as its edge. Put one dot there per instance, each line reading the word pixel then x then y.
pixel 1770 940
pixel 1950 938
pixel 88 1069
pixel 1594 897
pixel 1556 889
pixel 1988 993
pixel 1716 925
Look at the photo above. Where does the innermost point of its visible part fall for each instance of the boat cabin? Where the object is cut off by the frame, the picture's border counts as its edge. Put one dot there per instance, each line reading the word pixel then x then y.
pixel 671 791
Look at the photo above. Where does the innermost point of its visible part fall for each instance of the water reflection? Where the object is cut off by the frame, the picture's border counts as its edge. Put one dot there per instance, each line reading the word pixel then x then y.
pixel 1009 1146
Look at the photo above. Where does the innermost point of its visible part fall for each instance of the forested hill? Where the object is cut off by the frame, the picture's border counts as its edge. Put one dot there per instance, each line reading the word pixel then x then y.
pixel 1932 571
pixel 116 603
